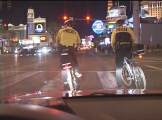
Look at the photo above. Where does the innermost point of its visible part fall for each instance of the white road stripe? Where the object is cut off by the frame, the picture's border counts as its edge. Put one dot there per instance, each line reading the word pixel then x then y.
pixel 148 61
pixel 53 85
pixel 153 67
pixel 30 71
pixel 107 79
pixel 8 82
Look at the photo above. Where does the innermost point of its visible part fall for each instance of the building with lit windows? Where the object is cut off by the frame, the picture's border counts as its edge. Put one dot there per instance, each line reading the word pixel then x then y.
pixel 154 8
pixel 150 33
pixel 20 30
pixel 113 13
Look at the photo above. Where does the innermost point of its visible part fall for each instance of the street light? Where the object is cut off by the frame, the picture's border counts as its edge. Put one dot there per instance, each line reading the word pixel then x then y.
pixel 5 26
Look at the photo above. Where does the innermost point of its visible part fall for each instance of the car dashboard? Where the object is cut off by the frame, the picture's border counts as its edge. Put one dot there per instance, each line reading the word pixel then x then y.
pixel 91 107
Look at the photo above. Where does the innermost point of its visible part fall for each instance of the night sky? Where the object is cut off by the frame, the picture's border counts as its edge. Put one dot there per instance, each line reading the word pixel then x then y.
pixel 55 10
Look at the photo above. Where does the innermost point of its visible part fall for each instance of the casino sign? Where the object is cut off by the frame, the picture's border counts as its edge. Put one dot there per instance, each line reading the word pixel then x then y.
pixel 98 27
pixel 39 28
pixel 113 19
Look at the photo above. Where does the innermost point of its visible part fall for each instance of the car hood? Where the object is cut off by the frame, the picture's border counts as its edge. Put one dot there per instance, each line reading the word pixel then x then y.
pixel 79 93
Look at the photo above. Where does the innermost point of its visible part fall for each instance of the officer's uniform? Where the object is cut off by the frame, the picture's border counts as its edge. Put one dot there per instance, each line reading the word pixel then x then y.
pixel 69 38
pixel 121 41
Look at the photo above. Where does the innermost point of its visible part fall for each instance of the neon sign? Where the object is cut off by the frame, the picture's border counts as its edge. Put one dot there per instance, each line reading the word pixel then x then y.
pixel 39 28
pixel 36 39
pixel 98 27
pixel 15 40
pixel 43 38
pixel 26 41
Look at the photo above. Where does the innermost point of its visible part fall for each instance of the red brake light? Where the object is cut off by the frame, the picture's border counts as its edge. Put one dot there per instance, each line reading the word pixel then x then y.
pixel 66 65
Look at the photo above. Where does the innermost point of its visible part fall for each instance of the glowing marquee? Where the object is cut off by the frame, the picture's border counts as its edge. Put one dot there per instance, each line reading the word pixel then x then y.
pixel 39 28
pixel 43 38
pixel 15 40
pixel 98 27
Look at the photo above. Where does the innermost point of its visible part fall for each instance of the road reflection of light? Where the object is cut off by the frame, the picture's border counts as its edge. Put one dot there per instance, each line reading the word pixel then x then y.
pixel 136 91
pixel 16 56
pixel 45 82
pixel 39 92
pixel 120 91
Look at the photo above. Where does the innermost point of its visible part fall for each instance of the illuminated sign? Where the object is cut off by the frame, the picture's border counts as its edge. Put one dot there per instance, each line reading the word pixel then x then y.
pixel 39 27
pixel 107 41
pixel 36 39
pixel 43 38
pixel 113 19
pixel 83 41
pixel 15 40
pixel 26 41
pixel 98 27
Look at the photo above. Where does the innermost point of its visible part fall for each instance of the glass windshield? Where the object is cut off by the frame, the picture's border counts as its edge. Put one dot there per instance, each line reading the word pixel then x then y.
pixel 41 53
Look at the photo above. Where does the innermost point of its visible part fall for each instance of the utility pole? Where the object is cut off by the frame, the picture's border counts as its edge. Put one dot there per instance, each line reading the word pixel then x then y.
pixel 136 21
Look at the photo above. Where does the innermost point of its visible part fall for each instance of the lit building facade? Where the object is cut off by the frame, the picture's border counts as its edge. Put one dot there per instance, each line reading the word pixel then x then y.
pixel 20 30
pixel 36 29
pixel 154 8
pixel 113 13
pixel 110 4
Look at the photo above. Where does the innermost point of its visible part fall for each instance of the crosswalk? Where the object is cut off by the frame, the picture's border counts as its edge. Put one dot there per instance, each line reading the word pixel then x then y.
pixel 106 78
pixel 101 79
pixel 9 82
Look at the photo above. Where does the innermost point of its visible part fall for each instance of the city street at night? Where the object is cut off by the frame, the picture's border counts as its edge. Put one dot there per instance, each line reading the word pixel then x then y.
pixel 24 74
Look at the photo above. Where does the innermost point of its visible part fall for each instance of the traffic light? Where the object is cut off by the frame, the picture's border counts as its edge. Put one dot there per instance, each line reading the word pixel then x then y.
pixel 8 4
pixel 87 18
pixel 5 26
pixel 65 17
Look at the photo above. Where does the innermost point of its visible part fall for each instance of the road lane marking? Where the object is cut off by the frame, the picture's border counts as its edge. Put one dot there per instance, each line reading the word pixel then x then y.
pixel 29 71
pixel 153 67
pixel 148 61
pixel 53 85
pixel 107 79
pixel 8 82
